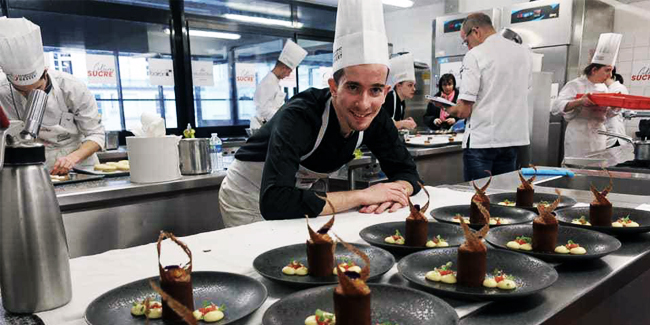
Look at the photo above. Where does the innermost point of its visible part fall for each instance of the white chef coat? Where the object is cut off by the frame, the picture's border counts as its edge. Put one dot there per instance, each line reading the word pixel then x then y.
pixel 615 122
pixel 269 97
pixel 581 135
pixel 496 75
pixel 71 116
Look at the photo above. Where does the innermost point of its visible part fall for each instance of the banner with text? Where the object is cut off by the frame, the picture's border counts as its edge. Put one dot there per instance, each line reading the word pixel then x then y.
pixel 245 73
pixel 640 73
pixel 202 74
pixel 101 69
pixel 161 72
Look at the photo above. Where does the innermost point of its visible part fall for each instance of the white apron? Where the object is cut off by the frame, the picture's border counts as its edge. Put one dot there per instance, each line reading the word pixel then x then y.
pixel 582 135
pixel 240 190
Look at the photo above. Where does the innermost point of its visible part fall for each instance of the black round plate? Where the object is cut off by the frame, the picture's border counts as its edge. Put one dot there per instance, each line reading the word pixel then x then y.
pixel 537 197
pixel 241 295
pixel 597 244
pixel 509 214
pixel 531 275
pixel 376 234
pixel 398 305
pixel 269 264
pixel 565 216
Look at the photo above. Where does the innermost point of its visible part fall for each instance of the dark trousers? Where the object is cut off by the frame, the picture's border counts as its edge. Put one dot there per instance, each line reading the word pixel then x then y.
pixel 495 160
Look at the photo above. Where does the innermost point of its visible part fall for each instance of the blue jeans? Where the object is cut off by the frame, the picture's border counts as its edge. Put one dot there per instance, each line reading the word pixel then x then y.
pixel 496 160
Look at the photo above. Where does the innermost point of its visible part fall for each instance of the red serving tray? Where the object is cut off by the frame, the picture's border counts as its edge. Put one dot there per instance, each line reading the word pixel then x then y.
pixel 619 100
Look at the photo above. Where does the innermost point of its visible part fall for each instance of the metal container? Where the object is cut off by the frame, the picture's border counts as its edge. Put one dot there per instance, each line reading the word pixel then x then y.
pixel 194 155
pixel 641 148
pixel 111 140
pixel 34 260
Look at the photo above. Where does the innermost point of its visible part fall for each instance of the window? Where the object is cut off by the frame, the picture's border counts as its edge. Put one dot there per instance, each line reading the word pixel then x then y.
pixel 316 68
pixel 69 39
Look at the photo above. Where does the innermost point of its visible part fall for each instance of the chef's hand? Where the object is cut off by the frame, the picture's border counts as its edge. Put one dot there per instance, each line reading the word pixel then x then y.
pixel 585 101
pixel 407 123
pixel 437 121
pixel 377 209
pixel 383 195
pixel 63 165
pixel 450 121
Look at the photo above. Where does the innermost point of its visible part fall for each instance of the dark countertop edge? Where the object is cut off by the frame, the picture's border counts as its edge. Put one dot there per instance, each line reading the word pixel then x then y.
pixel 103 194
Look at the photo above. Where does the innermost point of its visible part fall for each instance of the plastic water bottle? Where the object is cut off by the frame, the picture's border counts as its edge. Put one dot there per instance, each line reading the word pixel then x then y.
pixel 216 152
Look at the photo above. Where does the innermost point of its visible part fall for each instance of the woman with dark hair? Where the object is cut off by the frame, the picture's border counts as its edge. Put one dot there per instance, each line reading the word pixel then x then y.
pixel 436 118
pixel 615 122
pixel 584 117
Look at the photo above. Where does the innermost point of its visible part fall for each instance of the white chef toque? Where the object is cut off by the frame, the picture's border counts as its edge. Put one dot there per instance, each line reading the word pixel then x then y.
pixel 360 36
pixel 292 54
pixel 607 49
pixel 21 51
pixel 401 69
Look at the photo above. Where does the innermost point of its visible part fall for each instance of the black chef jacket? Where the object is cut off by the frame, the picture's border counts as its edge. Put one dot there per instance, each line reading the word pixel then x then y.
pixel 389 106
pixel 292 133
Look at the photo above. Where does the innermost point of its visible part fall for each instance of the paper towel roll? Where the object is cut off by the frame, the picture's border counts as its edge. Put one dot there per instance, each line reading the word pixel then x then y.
pixel 153 160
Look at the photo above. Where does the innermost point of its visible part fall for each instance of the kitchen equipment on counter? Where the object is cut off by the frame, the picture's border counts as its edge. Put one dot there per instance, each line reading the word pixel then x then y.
pixel 194 156
pixel 34 259
pixel 153 159
pixel 111 140
pixel 641 147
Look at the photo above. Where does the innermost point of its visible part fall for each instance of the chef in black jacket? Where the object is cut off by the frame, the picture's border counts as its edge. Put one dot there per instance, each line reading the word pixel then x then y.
pixel 402 77
pixel 317 131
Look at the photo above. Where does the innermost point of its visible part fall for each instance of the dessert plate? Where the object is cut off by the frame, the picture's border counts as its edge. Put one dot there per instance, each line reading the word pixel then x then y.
pixel 597 244
pixel 510 215
pixel 241 295
pixel 642 217
pixel 269 264
pixel 433 141
pixel 500 198
pixel 376 234
pixel 398 305
pixel 531 274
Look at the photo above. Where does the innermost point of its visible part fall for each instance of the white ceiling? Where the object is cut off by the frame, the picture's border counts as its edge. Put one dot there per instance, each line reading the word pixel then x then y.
pixel 417 3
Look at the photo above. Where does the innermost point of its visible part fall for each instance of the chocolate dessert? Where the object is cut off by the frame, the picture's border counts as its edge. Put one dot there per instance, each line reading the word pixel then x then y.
pixel 475 215
pixel 175 281
pixel 525 191
pixel 600 209
pixel 545 227
pixel 472 254
pixel 352 295
pixel 320 249
pixel 417 225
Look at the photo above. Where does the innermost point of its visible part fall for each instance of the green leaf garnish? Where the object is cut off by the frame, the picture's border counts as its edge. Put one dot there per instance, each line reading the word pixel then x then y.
pixel 570 242
pixel 206 303
pixel 524 238
pixel 397 233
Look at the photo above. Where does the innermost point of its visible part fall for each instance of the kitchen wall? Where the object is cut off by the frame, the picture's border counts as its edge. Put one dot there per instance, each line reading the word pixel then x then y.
pixel 632 20
pixel 410 30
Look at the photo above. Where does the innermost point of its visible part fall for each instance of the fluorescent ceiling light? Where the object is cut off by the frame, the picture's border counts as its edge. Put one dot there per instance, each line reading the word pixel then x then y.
pixel 205 33
pixel 259 9
pixel 399 3
pixel 262 20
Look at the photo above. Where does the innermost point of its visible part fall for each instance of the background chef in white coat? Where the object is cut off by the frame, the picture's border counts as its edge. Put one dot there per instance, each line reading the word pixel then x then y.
pixel 71 130
pixel 615 122
pixel 269 96
pixel 402 78
pixel 584 117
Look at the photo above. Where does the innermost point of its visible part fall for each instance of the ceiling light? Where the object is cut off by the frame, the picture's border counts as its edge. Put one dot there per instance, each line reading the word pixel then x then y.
pixel 399 3
pixel 259 9
pixel 205 33
pixel 262 20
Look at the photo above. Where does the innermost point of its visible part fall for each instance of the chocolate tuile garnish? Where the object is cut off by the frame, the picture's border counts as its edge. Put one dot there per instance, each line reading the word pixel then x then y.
pixel 350 285
pixel 546 213
pixel 321 236
pixel 600 196
pixel 527 184
pixel 417 212
pixel 481 191
pixel 486 217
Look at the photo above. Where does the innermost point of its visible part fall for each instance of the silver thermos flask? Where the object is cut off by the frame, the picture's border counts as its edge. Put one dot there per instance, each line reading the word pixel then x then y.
pixel 34 259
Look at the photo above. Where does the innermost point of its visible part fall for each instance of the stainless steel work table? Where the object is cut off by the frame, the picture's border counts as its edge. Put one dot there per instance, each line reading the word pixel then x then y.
pixel 612 290
pixel 114 213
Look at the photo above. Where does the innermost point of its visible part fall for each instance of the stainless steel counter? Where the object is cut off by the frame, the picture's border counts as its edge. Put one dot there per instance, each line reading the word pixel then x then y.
pixel 114 213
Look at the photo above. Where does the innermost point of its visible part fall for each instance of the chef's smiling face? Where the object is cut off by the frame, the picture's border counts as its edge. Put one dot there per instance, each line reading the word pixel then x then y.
pixel 358 96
